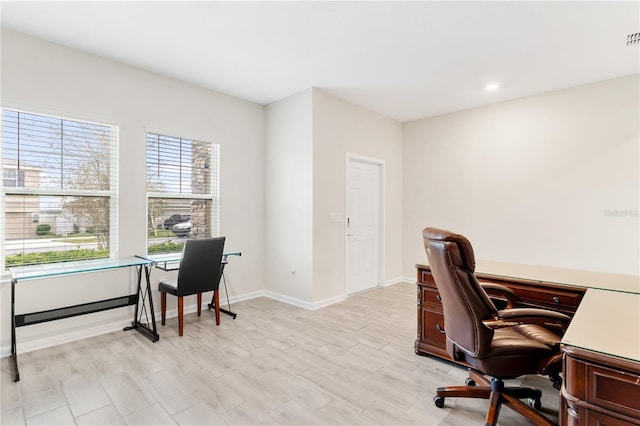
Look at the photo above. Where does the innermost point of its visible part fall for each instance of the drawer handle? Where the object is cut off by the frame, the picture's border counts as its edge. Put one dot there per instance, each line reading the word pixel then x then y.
pixel 438 298
pixel 440 329
pixel 556 299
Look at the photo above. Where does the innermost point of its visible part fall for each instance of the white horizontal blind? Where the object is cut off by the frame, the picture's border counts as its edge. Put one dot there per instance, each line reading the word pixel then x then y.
pixel 59 189
pixel 183 185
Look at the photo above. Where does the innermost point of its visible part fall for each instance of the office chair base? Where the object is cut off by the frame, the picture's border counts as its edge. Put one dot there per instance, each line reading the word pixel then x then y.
pixel 497 394
pixel 556 379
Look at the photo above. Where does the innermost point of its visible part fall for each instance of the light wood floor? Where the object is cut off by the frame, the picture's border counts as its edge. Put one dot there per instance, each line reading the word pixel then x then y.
pixel 351 363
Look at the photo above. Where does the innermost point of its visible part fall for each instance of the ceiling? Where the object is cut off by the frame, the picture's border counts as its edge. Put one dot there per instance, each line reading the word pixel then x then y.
pixel 405 60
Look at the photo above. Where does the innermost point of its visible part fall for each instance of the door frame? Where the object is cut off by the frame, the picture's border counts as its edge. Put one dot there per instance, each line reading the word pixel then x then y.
pixel 381 218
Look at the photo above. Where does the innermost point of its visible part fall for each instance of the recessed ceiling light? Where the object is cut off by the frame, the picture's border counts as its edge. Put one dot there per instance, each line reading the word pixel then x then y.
pixel 491 86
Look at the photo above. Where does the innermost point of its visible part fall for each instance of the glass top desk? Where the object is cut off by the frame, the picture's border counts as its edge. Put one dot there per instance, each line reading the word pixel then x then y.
pixel 608 323
pixel 141 299
pixel 609 301
pixel 601 363
pixel 171 262
pixel 559 276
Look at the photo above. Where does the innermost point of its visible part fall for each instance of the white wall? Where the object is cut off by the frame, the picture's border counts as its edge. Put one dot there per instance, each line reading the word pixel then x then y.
pixel 42 77
pixel 340 127
pixel 531 181
pixel 289 198
pixel 308 137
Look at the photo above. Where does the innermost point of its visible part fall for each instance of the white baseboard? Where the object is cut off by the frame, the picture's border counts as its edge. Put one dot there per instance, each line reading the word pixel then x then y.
pixel 301 303
pixel 397 280
pixel 56 339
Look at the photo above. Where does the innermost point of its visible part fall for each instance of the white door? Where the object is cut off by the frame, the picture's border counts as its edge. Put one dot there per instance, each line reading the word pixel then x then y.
pixel 363 225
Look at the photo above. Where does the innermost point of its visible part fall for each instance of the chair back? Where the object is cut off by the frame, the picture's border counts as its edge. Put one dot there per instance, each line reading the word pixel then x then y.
pixel 201 266
pixel 464 301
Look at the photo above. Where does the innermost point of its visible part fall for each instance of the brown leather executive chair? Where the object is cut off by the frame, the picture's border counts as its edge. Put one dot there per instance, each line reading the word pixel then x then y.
pixel 200 271
pixel 503 344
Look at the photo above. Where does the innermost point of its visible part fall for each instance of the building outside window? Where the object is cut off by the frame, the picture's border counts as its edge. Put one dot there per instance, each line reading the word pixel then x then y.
pixel 59 189
pixel 182 191
pixel 12 177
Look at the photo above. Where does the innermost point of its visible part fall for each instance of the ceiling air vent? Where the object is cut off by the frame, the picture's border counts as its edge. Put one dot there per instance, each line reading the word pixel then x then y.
pixel 633 39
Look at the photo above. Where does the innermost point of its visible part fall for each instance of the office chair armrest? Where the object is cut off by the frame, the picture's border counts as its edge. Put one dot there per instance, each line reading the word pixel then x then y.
pixel 500 291
pixel 520 316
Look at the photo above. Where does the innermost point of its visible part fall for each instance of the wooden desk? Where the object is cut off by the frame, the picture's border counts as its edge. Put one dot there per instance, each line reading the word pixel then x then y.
pixel 539 292
pixel 601 364
pixel 601 346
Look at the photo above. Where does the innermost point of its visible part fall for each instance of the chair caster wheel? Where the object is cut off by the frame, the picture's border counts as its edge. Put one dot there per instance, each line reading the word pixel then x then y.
pixel 439 401
pixel 556 380
pixel 469 381
pixel 535 403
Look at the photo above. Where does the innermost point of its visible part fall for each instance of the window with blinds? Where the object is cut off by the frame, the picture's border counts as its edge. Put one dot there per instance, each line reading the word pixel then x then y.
pixel 183 190
pixel 59 189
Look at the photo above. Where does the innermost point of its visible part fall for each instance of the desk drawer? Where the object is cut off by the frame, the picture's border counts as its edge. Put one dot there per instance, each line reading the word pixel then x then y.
pixel 595 418
pixel 613 389
pixel 432 297
pixel 548 297
pixel 433 328
pixel 425 277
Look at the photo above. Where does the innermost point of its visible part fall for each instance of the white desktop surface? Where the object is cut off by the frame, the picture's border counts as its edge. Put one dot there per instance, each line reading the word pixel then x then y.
pixel 571 277
pixel 607 322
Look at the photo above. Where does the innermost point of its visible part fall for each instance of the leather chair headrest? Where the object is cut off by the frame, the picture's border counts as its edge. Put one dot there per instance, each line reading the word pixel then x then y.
pixel 466 250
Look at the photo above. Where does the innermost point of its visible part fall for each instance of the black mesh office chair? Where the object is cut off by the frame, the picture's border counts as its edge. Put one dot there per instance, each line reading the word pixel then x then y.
pixel 200 271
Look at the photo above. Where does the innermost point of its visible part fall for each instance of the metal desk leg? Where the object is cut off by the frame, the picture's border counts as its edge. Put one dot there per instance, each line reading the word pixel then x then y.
pixel 14 350
pixel 213 304
pixel 144 297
